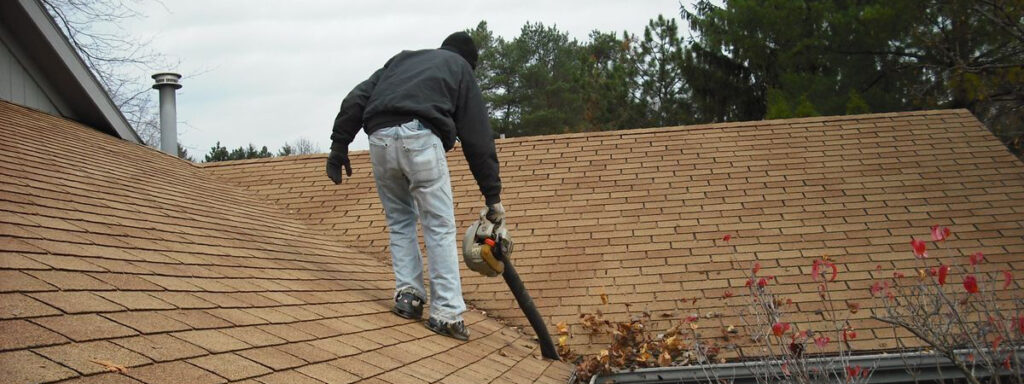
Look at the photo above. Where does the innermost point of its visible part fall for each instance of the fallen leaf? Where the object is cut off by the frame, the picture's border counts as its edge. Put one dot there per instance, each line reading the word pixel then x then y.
pixel 919 248
pixel 940 233
pixel 563 328
pixel 502 353
pixel 971 284
pixel 111 367
pixel 604 298
pixel 976 258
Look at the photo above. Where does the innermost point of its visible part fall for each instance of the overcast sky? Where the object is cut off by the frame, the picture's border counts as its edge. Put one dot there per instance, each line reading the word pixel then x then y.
pixel 264 73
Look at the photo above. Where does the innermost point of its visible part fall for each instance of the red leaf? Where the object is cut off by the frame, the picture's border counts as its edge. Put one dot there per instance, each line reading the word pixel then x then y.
pixel 1007 279
pixel 849 334
pixel 778 329
pixel 727 237
pixel 821 341
pixel 727 294
pixel 943 272
pixel 940 233
pixel 971 284
pixel 977 258
pixel 785 368
pixel 757 268
pixel 854 372
pixel 835 272
pixel 876 288
pixel 762 282
pixel 919 248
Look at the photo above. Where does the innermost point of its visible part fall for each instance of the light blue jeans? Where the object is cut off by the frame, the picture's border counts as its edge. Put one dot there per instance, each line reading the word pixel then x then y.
pixel 412 178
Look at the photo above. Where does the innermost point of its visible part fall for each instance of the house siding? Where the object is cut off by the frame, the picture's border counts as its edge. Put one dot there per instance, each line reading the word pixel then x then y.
pixel 17 84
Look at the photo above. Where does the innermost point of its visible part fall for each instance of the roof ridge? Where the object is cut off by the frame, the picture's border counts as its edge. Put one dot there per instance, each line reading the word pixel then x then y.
pixel 634 131
pixel 259 160
pixel 737 124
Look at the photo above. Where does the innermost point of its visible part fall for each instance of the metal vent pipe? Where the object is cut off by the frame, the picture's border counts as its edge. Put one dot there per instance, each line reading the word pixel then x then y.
pixel 167 83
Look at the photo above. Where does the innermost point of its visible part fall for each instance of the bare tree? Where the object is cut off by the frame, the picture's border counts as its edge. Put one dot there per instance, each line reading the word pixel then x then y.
pixel 96 29
pixel 305 146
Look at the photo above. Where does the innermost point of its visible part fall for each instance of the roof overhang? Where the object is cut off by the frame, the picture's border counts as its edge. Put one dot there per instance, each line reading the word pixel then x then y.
pixel 886 368
pixel 51 52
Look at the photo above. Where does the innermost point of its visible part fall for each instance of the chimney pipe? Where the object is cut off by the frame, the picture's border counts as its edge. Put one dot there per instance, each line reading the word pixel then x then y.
pixel 167 83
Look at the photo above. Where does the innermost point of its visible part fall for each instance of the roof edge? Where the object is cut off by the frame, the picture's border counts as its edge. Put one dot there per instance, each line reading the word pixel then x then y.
pixel 62 49
pixel 262 160
pixel 886 368
pixel 743 124
pixel 641 131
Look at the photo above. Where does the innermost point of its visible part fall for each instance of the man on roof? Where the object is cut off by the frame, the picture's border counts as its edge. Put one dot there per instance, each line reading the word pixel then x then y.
pixel 413 110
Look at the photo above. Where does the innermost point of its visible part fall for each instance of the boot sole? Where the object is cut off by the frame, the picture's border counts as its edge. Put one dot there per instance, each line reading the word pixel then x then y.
pixel 406 315
pixel 445 332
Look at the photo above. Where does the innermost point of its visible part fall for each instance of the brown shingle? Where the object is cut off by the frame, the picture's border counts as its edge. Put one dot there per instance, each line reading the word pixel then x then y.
pixel 197 319
pixel 273 358
pixel 77 302
pixel 288 377
pixel 28 368
pixel 109 378
pixel 174 373
pixel 253 336
pixel 17 281
pixel 84 327
pixel 14 305
pixel 135 300
pixel 66 280
pixel 212 340
pixel 182 300
pixel 147 321
pixel 328 373
pixel 17 334
pixel 230 366
pixel 307 352
pixel 87 358
pixel 287 332
pixel 161 347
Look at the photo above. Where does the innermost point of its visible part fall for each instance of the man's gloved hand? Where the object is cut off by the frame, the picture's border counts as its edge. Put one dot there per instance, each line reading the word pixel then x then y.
pixel 495 213
pixel 337 158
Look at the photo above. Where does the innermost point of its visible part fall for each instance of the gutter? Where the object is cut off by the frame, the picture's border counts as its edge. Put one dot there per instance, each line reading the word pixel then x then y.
pixel 885 368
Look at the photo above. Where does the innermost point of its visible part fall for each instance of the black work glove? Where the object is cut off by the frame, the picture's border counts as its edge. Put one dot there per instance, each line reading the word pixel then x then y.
pixel 337 158
pixel 495 213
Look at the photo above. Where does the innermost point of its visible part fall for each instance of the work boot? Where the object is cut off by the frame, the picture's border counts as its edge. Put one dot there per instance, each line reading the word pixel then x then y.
pixel 456 330
pixel 408 305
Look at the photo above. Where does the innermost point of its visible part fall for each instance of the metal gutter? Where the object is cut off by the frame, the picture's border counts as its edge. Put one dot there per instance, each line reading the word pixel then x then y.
pixel 886 368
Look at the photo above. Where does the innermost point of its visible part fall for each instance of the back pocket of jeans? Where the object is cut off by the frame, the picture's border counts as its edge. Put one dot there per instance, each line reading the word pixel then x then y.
pixel 422 159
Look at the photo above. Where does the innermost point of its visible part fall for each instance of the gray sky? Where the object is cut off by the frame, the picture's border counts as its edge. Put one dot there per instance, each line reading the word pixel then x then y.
pixel 266 73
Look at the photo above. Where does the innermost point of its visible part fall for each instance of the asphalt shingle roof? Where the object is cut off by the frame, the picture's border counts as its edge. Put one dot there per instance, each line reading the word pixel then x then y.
pixel 640 215
pixel 116 255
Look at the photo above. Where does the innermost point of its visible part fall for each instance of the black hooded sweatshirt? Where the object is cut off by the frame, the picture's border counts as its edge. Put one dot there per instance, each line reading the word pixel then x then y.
pixel 437 87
